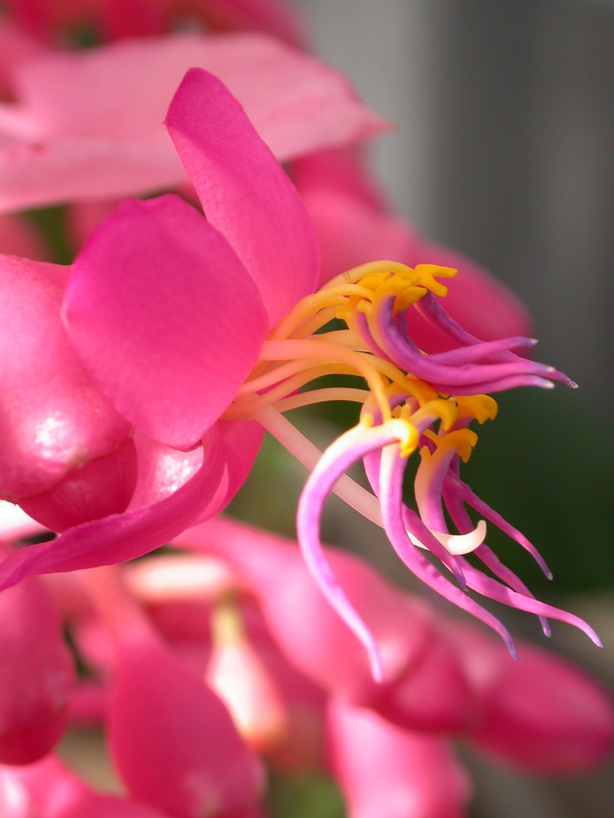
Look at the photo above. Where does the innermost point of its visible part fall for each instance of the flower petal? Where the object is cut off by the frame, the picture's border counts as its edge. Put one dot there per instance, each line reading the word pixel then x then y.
pixel 165 317
pixel 244 192
pixel 52 417
pixel 63 142
pixel 122 536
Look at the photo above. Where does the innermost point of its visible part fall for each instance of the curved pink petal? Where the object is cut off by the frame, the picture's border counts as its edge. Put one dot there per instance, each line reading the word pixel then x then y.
pixel 62 142
pixel 52 417
pixel 386 771
pixel 100 487
pixel 122 536
pixel 171 738
pixel 244 192
pixel 165 317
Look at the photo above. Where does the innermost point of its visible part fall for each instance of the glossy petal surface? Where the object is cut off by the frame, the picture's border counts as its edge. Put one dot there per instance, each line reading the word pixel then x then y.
pixel 52 416
pixel 165 317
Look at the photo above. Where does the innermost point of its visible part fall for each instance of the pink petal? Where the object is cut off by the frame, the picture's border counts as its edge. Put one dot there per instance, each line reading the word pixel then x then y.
pixel 101 487
pixel 273 17
pixel 48 789
pixel 244 192
pixel 165 317
pixel 63 142
pixel 15 47
pixel 52 417
pixel 386 771
pixel 122 536
pixel 171 738
pixel 36 673
pixel 540 714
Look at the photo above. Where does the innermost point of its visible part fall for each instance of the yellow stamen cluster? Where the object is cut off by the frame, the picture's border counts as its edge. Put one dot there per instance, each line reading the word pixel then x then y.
pixel 296 353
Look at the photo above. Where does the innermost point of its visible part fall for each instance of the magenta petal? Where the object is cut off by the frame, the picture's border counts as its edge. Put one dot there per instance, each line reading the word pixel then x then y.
pixel 165 317
pixel 52 417
pixel 386 771
pixel 244 192
pixel 122 536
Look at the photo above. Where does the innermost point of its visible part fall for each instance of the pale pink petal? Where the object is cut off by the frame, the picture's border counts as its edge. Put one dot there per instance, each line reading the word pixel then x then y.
pixel 165 318
pixel 122 536
pixel 15 523
pixel 19 238
pixel 62 142
pixel 386 771
pixel 52 417
pixel 244 192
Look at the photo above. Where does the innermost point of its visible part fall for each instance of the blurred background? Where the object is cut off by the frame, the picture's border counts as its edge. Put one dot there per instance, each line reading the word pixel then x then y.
pixel 504 150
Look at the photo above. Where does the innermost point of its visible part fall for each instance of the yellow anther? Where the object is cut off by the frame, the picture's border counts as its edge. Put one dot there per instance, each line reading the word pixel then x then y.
pixel 462 440
pixel 439 407
pixel 408 297
pixel 427 273
pixel 480 407
pixel 406 434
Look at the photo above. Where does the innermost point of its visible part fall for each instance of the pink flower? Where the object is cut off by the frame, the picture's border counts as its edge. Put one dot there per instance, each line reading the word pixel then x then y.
pixel 385 770
pixel 189 356
pixel 60 142
pixel 116 19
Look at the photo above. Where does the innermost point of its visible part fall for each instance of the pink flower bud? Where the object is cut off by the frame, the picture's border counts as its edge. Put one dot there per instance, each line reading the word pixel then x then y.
pixel 540 713
pixel 384 770
pixel 36 673
pixel 322 647
pixel 171 738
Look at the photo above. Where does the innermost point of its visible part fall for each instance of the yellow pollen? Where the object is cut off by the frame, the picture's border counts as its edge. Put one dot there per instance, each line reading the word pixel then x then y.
pixel 463 440
pixel 480 407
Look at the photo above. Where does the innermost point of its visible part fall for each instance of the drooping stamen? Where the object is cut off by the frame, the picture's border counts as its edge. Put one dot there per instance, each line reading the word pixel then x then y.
pixel 343 453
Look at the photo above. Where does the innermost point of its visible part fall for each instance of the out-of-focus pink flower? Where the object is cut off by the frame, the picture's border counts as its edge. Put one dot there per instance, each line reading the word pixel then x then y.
pixel 385 770
pixel 18 238
pixel 52 20
pixel 61 142
pixel 49 789
pixel 541 714
pixel 423 686
pixel 354 224
pixel 36 673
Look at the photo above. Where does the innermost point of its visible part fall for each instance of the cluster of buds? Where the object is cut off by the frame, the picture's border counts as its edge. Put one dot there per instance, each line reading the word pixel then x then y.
pixel 211 663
